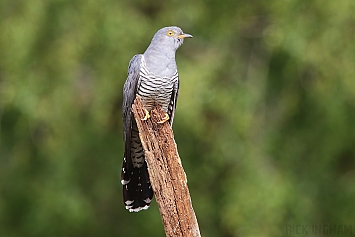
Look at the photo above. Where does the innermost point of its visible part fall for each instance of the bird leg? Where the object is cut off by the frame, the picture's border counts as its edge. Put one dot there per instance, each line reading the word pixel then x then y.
pixel 147 115
pixel 166 118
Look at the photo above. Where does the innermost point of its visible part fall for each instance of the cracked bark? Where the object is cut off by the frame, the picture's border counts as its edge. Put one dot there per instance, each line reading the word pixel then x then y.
pixel 166 173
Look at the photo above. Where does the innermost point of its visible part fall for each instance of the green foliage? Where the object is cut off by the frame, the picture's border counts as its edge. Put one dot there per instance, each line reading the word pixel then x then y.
pixel 264 124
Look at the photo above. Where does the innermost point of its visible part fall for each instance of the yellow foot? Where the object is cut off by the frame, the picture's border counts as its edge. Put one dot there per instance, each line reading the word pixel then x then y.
pixel 147 115
pixel 166 118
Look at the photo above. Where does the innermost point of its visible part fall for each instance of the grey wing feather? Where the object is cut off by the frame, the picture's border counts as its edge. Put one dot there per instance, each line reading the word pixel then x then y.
pixel 129 94
pixel 173 101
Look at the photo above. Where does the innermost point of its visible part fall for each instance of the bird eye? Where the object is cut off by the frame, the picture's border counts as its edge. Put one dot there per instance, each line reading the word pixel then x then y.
pixel 170 33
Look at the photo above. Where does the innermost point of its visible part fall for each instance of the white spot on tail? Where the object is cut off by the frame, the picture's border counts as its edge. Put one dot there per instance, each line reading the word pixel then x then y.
pixel 124 182
pixel 137 209
pixel 148 200
pixel 129 202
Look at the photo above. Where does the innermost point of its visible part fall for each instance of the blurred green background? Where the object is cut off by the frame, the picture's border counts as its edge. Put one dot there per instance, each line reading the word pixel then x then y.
pixel 265 122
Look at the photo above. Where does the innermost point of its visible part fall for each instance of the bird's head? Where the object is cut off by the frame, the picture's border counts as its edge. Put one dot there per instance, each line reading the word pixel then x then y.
pixel 171 37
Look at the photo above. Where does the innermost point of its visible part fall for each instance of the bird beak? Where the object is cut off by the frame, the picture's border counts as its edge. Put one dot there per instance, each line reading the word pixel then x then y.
pixel 185 36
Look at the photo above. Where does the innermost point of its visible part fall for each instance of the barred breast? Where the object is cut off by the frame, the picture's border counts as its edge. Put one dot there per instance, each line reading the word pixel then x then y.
pixel 154 89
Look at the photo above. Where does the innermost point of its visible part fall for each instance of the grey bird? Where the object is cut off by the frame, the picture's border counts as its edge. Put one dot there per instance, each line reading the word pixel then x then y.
pixel 153 76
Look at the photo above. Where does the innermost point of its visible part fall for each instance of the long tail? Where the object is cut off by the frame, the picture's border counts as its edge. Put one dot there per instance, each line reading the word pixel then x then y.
pixel 137 189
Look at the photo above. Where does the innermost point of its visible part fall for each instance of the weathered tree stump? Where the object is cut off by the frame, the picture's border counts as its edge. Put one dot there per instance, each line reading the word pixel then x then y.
pixel 166 173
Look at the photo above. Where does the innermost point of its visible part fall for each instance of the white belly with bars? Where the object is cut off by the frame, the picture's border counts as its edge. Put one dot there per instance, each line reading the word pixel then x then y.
pixel 154 89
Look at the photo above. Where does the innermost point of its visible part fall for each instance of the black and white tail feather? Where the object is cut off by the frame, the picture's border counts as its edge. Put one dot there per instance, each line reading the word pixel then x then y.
pixel 137 190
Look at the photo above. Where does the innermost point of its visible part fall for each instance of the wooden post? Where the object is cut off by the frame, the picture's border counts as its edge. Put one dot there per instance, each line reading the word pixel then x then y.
pixel 166 173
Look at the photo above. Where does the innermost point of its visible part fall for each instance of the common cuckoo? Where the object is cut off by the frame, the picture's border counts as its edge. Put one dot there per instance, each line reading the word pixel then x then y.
pixel 152 75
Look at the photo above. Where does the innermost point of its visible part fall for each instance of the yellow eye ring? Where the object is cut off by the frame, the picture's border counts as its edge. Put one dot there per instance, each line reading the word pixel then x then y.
pixel 170 33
